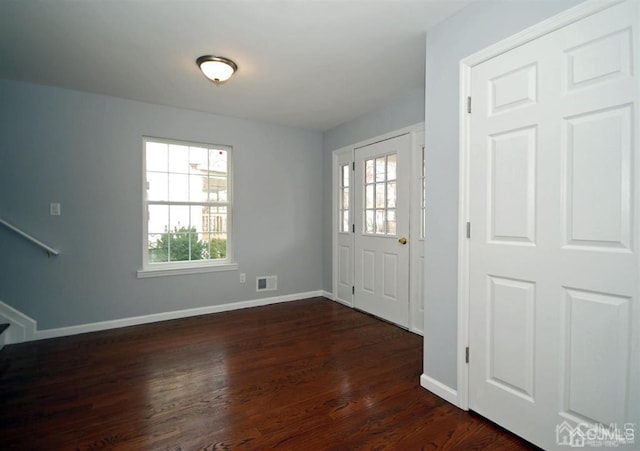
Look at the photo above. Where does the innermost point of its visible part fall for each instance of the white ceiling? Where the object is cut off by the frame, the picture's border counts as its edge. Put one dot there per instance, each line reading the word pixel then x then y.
pixel 312 64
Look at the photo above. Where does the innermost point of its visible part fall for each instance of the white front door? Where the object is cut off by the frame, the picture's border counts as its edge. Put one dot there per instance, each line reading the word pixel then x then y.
pixel 382 201
pixel 554 203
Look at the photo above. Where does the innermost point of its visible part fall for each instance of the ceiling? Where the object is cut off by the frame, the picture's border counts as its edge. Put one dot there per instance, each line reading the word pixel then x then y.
pixel 312 64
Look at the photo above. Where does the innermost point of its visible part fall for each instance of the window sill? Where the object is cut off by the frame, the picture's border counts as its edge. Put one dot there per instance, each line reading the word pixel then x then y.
pixel 162 271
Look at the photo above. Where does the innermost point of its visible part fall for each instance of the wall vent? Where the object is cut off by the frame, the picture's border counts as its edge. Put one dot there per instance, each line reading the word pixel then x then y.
pixel 266 283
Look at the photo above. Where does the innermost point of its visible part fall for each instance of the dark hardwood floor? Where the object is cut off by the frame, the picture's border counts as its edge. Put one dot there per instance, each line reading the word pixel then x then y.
pixel 302 375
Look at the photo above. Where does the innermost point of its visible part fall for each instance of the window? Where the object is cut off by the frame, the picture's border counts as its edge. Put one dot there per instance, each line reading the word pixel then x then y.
pixel 188 203
pixel 380 195
pixel 344 198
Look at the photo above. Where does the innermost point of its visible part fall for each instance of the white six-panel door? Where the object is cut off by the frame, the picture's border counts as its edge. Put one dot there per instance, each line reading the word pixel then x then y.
pixel 382 201
pixel 554 311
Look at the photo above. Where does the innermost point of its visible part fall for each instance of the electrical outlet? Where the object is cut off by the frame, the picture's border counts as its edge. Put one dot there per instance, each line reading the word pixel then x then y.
pixel 55 209
pixel 243 277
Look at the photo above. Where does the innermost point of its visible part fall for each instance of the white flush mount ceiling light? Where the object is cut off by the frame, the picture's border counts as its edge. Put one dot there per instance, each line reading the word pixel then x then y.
pixel 216 68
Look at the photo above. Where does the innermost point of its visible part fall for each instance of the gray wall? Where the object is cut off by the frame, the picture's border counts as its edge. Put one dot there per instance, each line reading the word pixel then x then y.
pixel 401 112
pixel 85 151
pixel 472 29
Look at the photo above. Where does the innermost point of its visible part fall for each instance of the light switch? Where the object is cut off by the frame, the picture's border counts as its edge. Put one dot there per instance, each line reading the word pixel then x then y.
pixel 54 209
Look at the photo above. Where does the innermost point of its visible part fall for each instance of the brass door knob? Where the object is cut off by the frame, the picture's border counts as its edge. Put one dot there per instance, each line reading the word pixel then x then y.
pixel 402 241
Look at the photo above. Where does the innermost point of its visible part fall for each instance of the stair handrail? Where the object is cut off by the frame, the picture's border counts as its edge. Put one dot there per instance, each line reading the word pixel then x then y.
pixel 50 251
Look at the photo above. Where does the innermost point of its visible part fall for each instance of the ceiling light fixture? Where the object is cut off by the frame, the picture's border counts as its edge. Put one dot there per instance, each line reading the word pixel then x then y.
pixel 216 68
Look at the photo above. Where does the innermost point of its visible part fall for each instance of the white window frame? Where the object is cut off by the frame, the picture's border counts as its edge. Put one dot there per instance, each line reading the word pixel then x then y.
pixel 194 266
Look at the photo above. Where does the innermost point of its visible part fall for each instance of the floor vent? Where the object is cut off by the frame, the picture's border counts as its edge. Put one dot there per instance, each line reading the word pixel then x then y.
pixel 266 283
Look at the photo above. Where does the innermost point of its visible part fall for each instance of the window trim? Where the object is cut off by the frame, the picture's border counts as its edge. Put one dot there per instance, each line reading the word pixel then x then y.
pixel 193 266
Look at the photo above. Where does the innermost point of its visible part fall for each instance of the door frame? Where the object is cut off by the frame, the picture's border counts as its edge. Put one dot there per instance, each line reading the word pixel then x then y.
pixel 412 130
pixel 547 26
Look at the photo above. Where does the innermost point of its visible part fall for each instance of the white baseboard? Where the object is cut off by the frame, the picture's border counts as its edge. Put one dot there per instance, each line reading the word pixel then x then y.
pixel 136 320
pixel 22 328
pixel 439 389
pixel 327 295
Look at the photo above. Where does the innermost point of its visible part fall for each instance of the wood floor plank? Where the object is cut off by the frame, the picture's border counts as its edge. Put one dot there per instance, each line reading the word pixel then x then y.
pixel 304 375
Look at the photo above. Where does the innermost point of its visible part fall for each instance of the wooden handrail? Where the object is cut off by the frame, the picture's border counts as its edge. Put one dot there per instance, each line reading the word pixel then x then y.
pixel 50 251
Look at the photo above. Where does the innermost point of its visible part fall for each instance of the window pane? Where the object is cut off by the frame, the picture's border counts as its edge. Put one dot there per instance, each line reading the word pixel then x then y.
pixel 198 188
pixel 368 196
pixel 391 195
pixel 344 221
pixel 198 160
pixel 369 172
pixel 157 186
pixel 218 160
pixel 345 199
pixel 156 248
pixel 206 250
pixel 380 169
pixel 214 222
pixel 391 222
pixel 179 219
pixel 197 215
pixel 345 175
pixel 158 221
pixel 217 188
pixel 157 156
pixel 380 221
pixel 218 247
pixel 379 195
pixel 178 159
pixel 391 167
pixel 179 246
pixel 369 221
pixel 178 187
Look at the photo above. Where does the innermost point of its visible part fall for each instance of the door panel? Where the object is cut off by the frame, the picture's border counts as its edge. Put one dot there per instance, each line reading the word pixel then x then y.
pixel 553 260
pixel 382 179
pixel 343 270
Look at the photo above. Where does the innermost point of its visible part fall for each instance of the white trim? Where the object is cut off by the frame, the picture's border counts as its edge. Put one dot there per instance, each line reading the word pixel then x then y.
pixel 462 382
pixel 166 270
pixel 165 316
pixel 340 301
pixel 22 327
pixel 177 268
pixel 547 26
pixel 418 127
pixel 439 389
pixel 550 25
pixel 417 243
pixel 326 294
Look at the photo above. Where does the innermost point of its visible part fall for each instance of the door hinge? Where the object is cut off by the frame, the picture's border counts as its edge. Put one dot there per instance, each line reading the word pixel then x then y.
pixel 468 229
pixel 353 289
pixel 353 165
pixel 353 228
pixel 469 104
pixel 466 355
